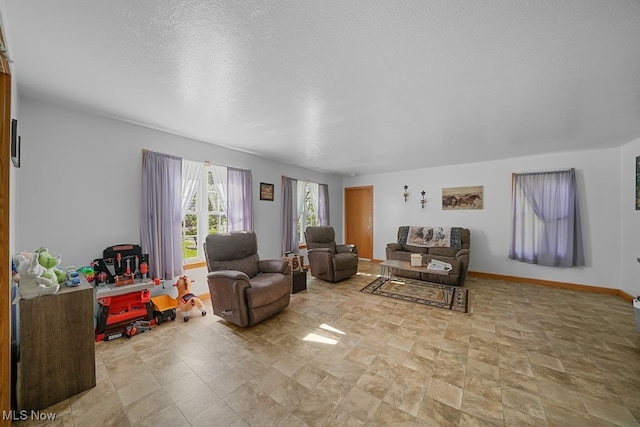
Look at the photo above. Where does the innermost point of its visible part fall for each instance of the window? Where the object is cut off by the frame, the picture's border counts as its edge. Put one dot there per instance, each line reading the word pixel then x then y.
pixel 307 207
pixel 546 219
pixel 206 213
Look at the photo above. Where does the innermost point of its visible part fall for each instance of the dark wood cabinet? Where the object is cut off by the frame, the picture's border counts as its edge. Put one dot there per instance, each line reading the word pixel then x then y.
pixel 57 347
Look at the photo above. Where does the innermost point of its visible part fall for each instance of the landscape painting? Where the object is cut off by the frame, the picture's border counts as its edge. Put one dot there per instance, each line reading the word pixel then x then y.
pixel 454 198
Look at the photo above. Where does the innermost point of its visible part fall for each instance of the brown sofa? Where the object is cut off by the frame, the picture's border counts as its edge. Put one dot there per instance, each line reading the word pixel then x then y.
pixel 244 289
pixel 458 257
pixel 328 260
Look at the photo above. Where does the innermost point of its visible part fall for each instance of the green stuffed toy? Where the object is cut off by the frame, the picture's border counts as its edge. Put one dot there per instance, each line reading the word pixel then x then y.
pixel 49 262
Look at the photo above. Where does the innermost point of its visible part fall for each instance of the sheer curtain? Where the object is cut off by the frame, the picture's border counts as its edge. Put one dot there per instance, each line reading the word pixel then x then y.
pixel 313 193
pixel 220 181
pixel 161 214
pixel 300 197
pixel 323 204
pixel 239 199
pixel 191 179
pixel 289 215
pixel 546 227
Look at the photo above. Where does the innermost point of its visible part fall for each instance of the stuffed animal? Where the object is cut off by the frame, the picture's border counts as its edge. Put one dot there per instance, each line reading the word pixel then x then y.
pixel 186 300
pixel 31 282
pixel 50 264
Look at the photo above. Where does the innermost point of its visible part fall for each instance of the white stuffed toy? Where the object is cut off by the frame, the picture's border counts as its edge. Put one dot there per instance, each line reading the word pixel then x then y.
pixel 31 284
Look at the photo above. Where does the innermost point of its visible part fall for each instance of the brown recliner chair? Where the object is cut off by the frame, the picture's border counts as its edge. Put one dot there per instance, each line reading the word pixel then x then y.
pixel 244 289
pixel 329 261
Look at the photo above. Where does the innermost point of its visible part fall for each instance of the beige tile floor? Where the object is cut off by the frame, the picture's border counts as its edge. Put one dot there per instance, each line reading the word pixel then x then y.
pixel 526 355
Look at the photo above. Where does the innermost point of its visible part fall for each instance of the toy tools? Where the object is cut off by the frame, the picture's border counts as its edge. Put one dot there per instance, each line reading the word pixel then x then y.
pixel 122 264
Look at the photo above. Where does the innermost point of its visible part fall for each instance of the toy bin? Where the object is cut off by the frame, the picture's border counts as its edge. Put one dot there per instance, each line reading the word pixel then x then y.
pixel 164 308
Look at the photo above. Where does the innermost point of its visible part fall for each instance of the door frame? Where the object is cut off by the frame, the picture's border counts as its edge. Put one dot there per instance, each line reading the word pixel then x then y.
pixel 5 270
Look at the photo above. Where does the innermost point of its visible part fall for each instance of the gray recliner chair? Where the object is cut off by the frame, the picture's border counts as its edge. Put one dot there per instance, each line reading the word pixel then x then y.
pixel 244 289
pixel 328 260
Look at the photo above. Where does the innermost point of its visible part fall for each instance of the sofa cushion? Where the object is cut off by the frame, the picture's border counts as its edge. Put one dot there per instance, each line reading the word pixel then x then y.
pixel 345 261
pixel 321 237
pixel 267 288
pixel 233 251
pixel 415 249
pixel 248 265
pixel 446 252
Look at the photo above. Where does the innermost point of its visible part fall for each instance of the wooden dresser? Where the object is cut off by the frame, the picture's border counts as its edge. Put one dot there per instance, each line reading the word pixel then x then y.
pixel 57 347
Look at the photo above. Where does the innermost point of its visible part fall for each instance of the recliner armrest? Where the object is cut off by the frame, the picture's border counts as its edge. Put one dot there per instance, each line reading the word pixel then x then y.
pixel 462 253
pixel 228 274
pixel 319 250
pixel 394 246
pixel 274 266
pixel 349 249
pixel 320 260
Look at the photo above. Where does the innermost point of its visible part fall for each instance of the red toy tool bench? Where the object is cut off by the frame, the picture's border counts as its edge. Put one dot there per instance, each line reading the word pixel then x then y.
pixel 122 290
pixel 119 306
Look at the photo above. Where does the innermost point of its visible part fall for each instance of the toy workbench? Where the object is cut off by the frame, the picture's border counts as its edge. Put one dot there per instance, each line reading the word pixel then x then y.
pixel 119 306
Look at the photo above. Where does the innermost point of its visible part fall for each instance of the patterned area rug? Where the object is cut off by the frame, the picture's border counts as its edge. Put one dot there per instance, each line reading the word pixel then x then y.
pixel 450 298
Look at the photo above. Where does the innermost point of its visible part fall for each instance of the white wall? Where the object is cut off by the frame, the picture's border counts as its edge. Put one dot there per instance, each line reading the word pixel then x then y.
pixel 598 181
pixel 78 192
pixel 78 189
pixel 630 220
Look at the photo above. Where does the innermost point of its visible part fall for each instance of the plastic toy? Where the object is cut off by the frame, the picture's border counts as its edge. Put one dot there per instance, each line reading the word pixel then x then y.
pixel 164 308
pixel 137 327
pixel 30 278
pixel 73 277
pixel 187 300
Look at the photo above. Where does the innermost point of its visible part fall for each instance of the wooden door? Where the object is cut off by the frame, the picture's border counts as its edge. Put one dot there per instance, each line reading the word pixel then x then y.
pixel 5 284
pixel 358 218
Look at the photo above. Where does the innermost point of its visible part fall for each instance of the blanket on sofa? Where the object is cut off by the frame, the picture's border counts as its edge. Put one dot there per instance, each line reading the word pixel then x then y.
pixel 430 237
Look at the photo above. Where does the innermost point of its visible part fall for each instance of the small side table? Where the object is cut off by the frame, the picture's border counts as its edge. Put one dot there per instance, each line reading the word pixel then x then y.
pixel 299 279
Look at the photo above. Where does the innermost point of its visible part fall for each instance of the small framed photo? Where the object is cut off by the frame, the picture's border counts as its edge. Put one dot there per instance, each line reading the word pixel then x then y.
pixel 266 191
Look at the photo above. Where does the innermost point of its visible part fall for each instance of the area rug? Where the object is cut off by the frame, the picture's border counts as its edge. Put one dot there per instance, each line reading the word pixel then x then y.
pixel 453 298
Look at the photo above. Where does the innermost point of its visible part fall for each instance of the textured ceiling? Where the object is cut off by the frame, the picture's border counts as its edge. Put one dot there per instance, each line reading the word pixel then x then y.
pixel 347 87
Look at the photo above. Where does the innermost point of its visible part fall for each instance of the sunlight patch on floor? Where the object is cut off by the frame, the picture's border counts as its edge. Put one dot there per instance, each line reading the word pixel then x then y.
pixel 331 329
pixel 320 339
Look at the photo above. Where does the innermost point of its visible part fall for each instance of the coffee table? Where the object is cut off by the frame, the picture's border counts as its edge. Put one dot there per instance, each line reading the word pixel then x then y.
pixel 386 272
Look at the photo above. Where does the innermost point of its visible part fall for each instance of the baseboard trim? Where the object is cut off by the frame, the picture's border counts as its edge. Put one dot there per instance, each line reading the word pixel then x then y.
pixel 562 285
pixel 553 284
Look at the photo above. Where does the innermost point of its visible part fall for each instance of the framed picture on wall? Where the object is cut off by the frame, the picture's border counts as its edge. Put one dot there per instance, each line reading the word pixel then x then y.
pixel 471 197
pixel 266 191
pixel 15 143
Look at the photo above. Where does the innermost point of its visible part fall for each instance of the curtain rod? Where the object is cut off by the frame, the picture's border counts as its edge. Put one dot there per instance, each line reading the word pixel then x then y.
pixel 303 179
pixel 206 162
pixel 544 171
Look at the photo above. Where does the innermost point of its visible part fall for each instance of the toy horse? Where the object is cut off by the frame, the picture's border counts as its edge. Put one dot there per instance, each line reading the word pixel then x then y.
pixel 187 300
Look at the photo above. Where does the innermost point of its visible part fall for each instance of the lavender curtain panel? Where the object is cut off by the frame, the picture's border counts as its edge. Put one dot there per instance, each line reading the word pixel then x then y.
pixel 289 215
pixel 546 227
pixel 239 199
pixel 323 204
pixel 161 214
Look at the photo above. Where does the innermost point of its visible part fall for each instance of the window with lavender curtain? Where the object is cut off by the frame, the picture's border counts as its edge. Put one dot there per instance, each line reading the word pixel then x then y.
pixel 239 199
pixel 546 226
pixel 161 214
pixel 323 204
pixel 289 215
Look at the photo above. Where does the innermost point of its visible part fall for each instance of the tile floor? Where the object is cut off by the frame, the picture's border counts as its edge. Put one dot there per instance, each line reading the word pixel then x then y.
pixel 526 355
